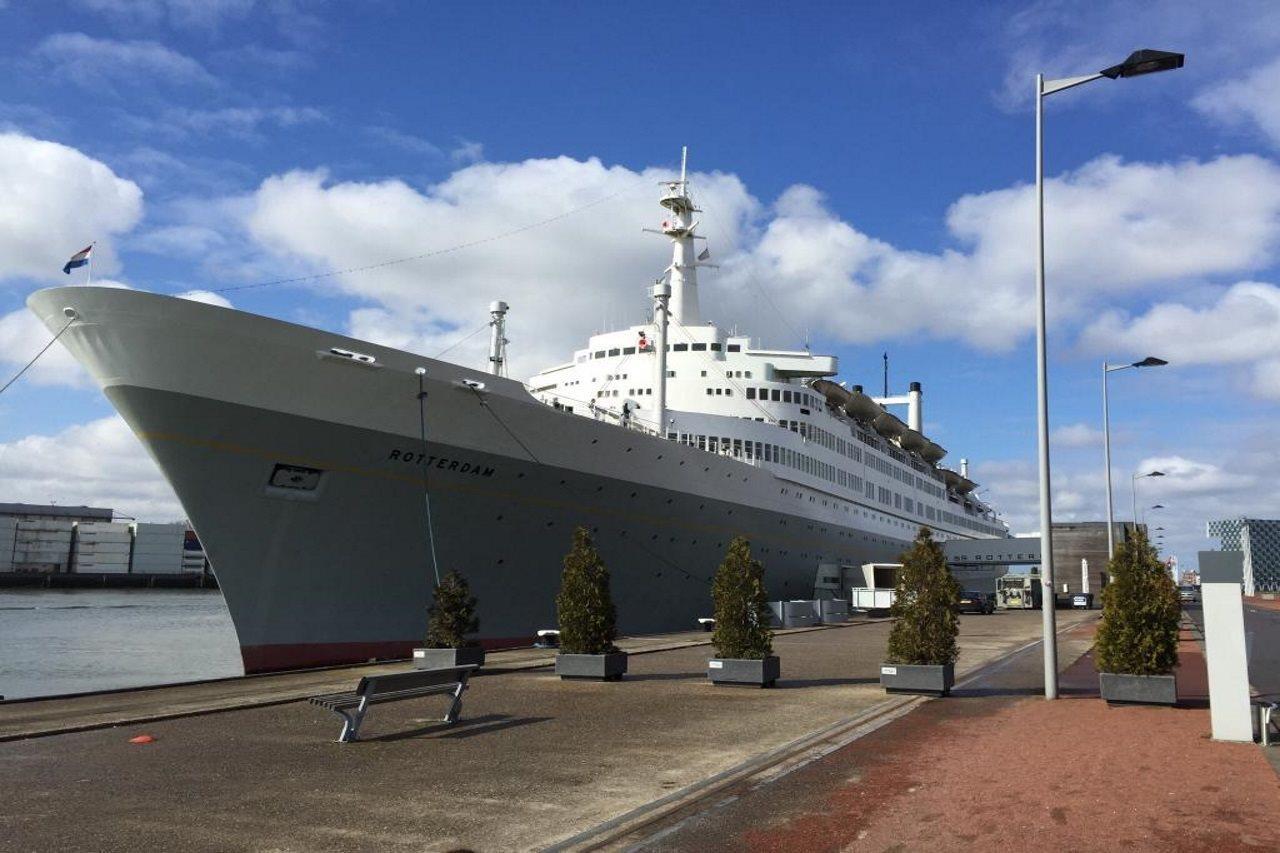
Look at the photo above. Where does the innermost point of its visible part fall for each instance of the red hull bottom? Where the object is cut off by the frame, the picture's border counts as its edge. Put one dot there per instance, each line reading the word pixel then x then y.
pixel 274 658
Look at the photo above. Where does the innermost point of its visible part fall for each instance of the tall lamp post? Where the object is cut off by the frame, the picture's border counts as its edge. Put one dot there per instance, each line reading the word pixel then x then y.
pixel 1149 361
pixel 1139 62
pixel 1133 484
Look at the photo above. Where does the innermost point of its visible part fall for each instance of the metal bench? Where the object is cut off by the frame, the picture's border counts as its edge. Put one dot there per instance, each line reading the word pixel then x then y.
pixel 373 689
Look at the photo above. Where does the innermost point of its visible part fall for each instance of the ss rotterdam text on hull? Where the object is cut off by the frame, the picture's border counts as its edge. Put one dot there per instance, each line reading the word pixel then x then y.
pixel 300 458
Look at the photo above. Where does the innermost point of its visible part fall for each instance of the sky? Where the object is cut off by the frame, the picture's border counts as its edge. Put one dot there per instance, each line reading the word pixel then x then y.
pixel 866 173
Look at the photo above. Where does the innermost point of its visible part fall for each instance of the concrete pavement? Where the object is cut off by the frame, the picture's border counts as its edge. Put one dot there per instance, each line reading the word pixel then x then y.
pixel 534 760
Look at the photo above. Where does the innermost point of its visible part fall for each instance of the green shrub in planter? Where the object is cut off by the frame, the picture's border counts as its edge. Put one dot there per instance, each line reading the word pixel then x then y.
pixel 452 615
pixel 922 643
pixel 588 619
pixel 1140 613
pixel 450 619
pixel 924 607
pixel 741 606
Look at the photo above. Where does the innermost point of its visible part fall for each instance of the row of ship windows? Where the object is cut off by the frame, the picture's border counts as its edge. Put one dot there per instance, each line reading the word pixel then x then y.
pixel 765 452
pixel 713 347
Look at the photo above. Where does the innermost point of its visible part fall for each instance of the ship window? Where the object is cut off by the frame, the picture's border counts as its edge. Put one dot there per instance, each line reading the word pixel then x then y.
pixel 735 348
pixel 719 392
pixel 710 392
pixel 751 393
pixel 681 347
pixel 804 411
pixel 713 443
pixel 748 374
pixel 699 347
pixel 599 354
pixel 704 373
pixel 777 395
pixel 728 392
pixel 715 348
pixel 702 442
pixel 615 351
pixel 786 396
pixel 628 350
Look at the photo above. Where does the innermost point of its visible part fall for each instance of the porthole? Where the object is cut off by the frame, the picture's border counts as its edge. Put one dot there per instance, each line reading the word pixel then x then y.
pixel 501 561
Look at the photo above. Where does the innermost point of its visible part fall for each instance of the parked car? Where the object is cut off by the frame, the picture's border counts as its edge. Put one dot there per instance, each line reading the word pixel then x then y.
pixel 1188 595
pixel 972 601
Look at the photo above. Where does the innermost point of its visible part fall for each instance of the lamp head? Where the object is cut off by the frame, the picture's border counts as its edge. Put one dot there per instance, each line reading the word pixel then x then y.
pixel 1150 361
pixel 1145 62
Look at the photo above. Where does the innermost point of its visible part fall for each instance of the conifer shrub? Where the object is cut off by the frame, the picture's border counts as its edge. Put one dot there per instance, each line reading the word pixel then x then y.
pixel 741 606
pixel 584 607
pixel 1140 613
pixel 924 607
pixel 452 614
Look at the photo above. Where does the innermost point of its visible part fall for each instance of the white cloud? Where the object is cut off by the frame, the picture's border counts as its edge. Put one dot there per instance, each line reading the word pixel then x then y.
pixel 1249 101
pixel 1076 435
pixel 561 279
pixel 467 151
pixel 1241 327
pixel 100 64
pixel 1237 481
pixel 1114 226
pixel 99 463
pixel 239 122
pixel 181 14
pixel 53 201
pixel 208 297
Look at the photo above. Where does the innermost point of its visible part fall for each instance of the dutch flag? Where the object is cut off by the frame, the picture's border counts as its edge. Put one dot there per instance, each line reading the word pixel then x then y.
pixel 79 259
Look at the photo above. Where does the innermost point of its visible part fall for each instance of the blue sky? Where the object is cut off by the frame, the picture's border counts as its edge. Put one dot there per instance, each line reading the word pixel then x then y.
pixel 864 165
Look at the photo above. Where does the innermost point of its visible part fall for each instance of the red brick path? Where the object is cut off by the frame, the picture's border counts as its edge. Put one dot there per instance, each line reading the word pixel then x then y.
pixel 1023 774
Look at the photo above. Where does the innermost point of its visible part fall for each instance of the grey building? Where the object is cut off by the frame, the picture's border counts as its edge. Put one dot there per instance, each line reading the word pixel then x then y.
pixel 1259 540
pixel 1075 541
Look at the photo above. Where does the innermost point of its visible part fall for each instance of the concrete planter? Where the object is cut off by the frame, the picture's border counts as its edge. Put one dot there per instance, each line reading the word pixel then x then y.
pixel 761 673
pixel 610 667
pixel 445 658
pixel 1125 689
pixel 930 679
pixel 794 614
pixel 833 611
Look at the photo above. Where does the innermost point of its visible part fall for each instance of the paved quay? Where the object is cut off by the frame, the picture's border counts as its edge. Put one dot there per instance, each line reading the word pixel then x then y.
pixel 533 761
pixel 996 767
pixel 58 715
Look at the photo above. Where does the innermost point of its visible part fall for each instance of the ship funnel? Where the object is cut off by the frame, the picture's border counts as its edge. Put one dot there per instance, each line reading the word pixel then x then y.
pixel 964 468
pixel 915 410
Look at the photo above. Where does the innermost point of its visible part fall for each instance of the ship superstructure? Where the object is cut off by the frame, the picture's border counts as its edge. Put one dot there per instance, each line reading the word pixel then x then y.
pixel 332 480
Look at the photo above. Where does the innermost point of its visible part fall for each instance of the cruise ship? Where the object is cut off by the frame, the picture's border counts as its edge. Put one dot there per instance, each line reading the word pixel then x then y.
pixel 332 480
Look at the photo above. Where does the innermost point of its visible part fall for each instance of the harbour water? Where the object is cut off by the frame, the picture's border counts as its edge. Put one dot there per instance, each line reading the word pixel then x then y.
pixel 71 641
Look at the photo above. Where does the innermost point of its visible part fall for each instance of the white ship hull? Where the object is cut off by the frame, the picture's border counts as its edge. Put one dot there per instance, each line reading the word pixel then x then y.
pixel 343 571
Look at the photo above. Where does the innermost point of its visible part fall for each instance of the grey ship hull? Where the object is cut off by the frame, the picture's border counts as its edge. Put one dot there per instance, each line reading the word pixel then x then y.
pixel 343 572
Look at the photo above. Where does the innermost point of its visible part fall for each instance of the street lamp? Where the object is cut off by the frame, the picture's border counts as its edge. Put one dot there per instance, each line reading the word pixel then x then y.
pixel 1133 484
pixel 1149 361
pixel 1138 63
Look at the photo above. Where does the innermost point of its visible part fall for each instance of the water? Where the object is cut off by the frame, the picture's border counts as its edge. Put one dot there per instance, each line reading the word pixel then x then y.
pixel 71 641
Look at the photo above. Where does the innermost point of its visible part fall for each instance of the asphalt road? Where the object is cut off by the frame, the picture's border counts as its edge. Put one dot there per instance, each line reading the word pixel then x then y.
pixel 1262 629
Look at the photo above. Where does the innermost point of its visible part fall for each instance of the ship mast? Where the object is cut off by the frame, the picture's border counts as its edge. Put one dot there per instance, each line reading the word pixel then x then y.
pixel 684 264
